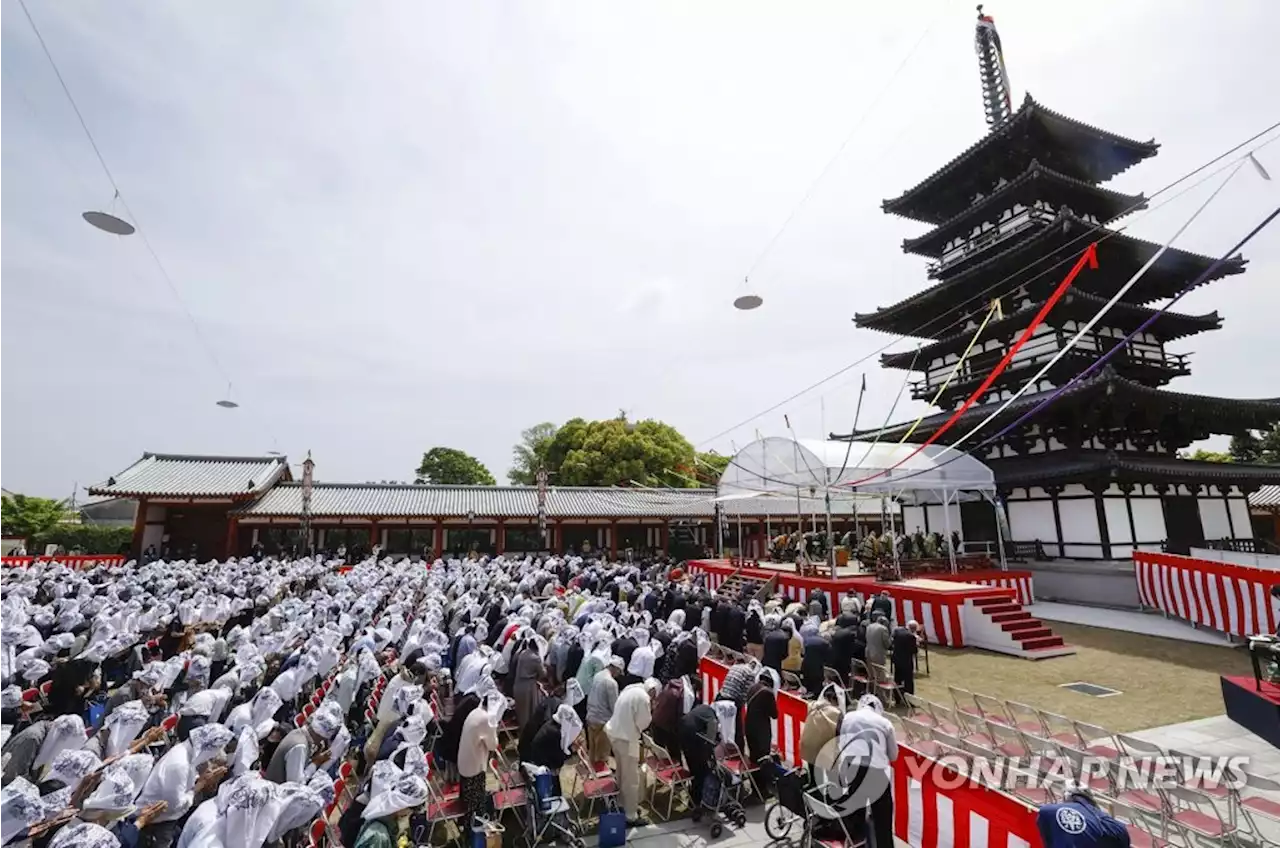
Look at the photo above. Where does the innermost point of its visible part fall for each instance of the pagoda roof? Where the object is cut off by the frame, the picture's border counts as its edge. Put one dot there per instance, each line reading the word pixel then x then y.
pixel 1043 254
pixel 1065 144
pixel 1037 182
pixel 1076 466
pixel 1168 326
pixel 1241 413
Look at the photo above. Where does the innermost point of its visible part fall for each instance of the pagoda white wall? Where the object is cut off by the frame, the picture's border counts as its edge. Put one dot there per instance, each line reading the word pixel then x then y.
pixel 912 517
pixel 1031 520
pixel 1239 508
pixel 1079 516
pixel 1148 521
pixel 1213 517
pixel 1118 524
pixel 938 518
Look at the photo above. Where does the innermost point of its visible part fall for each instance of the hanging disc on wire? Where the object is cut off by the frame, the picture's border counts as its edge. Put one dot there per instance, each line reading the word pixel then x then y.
pixel 109 223
pixel 228 404
pixel 748 301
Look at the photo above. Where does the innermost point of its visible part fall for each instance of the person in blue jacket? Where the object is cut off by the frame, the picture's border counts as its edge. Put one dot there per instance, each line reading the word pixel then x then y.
pixel 1078 823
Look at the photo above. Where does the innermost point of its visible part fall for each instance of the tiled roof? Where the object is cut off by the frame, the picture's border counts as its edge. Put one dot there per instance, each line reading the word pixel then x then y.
pixel 1266 496
pixel 1263 410
pixel 1126 152
pixel 1111 204
pixel 1168 326
pixel 400 500
pixel 1063 240
pixel 1063 466
pixel 179 475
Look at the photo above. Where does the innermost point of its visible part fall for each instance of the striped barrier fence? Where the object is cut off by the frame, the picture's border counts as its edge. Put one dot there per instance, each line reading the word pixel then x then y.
pixel 79 561
pixel 934 805
pixel 1234 599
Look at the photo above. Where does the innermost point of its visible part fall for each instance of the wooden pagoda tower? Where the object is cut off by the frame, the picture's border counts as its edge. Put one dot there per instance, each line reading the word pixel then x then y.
pixel 1097 473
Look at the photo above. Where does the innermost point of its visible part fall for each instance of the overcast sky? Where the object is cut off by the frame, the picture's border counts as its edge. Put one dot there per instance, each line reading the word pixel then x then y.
pixel 406 224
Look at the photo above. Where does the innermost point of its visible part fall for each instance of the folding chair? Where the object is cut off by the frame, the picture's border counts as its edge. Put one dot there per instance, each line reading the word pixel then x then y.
pixel 1196 772
pixel 918 709
pixel 1260 797
pixel 965 702
pixel 1027 785
pixel 299 720
pixel 734 759
pixel 861 678
pixel 1198 817
pixel 956 757
pixel 993 709
pixel 440 808
pixel 1008 741
pixel 1059 728
pixel 668 773
pixel 596 785
pixel 339 787
pixel 1025 718
pixel 308 710
pixel 1039 747
pixel 1139 749
pixel 509 795
pixel 317 833
pixel 1126 777
pixel 886 686
pixel 1143 825
pixel 44 690
pixel 946 719
pixel 1083 774
pixel 791 683
pixel 920 737
pixel 899 732
pixel 1097 740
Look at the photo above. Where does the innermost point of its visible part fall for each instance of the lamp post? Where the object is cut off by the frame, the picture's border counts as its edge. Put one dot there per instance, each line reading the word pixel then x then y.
pixel 308 472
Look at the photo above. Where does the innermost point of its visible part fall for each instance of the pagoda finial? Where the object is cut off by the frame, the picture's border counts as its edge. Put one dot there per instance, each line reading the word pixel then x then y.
pixel 997 101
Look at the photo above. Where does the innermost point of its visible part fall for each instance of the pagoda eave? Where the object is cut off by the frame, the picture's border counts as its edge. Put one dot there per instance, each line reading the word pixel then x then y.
pixel 949 189
pixel 1093 467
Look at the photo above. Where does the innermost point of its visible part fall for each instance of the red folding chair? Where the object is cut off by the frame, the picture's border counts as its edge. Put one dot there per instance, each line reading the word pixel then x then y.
pixel 317 833
pixel 597 784
pixel 299 720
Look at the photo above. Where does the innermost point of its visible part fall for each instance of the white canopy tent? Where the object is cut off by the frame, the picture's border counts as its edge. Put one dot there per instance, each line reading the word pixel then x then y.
pixel 786 468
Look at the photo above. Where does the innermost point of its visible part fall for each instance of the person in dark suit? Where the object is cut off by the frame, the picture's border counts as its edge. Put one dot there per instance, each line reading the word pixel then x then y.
pixel 883 604
pixel 776 644
pixel 906 643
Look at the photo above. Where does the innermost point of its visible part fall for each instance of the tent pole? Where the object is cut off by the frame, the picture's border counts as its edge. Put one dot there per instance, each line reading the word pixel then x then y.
pixel 946 518
pixel 831 546
pixel 995 505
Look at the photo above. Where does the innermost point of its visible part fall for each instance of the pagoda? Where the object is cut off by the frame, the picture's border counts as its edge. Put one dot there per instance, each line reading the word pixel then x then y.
pixel 1097 473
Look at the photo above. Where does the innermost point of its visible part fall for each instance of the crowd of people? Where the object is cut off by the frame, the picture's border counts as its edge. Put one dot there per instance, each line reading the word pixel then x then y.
pixel 215 704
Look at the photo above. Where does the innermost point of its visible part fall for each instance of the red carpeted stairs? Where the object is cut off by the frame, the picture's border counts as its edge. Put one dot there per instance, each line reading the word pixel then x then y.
pixel 1031 633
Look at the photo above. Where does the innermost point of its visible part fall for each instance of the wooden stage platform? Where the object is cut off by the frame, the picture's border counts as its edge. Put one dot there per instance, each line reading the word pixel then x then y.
pixel 976 608
pixel 1254 707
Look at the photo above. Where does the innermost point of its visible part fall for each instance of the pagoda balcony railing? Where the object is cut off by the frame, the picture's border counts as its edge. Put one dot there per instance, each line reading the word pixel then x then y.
pixel 1134 357
pixel 983 241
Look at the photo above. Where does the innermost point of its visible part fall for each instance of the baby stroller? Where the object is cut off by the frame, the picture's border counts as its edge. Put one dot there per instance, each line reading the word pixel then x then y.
pixel 722 797
pixel 551 816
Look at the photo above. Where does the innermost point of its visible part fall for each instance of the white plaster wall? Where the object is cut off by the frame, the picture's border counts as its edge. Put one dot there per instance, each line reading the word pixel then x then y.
pixel 1031 520
pixel 1271 561
pixel 1118 527
pixel 912 517
pixel 1240 517
pixel 938 518
pixel 1148 520
pixel 1079 528
pixel 1213 516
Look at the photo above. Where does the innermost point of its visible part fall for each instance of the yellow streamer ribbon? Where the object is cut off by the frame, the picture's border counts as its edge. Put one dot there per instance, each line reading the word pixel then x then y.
pixel 995 308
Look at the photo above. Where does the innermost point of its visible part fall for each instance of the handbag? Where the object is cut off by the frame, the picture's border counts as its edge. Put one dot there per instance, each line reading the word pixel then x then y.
pixel 95 711
pixel 613 829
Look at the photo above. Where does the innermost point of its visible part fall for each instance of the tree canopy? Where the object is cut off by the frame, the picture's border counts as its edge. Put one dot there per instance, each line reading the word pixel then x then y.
pixel 710 466
pixel 1202 455
pixel 450 466
pixel 619 452
pixel 1257 447
pixel 30 517
pixel 531 453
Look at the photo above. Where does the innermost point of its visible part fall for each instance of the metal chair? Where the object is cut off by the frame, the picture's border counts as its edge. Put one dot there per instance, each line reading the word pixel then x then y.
pixel 1082 773
pixel 1260 797
pixel 993 709
pixel 1198 817
pixel 1097 740
pixel 1059 728
pixel 317 834
pixel 1127 778
pixel 1026 718
pixel 920 737
pixel 1143 825
pixel 965 703
pixel 596 786
pixel 1008 741
pixel 886 686
pixel 668 773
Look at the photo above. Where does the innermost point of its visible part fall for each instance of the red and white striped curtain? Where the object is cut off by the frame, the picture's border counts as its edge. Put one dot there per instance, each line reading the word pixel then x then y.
pixel 1234 599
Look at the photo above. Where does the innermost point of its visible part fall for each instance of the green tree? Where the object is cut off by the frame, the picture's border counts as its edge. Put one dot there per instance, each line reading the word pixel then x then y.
pixel 619 452
pixel 450 466
pixel 531 453
pixel 1202 455
pixel 30 517
pixel 710 466
pixel 1257 447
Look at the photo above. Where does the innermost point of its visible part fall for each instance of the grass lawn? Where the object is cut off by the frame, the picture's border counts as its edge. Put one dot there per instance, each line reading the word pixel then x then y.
pixel 1163 681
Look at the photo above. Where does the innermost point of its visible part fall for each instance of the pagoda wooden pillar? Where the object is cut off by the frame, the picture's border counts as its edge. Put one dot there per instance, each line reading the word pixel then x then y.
pixel 375 534
pixel 229 544
pixel 139 528
pixel 500 543
pixel 665 538
pixel 438 540
pixel 613 539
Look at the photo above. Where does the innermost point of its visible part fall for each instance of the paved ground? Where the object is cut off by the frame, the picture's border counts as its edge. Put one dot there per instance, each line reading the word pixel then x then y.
pixel 1130 621
pixel 683 833
pixel 1218 736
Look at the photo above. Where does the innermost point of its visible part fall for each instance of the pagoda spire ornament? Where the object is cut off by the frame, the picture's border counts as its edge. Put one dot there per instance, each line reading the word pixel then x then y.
pixel 997 98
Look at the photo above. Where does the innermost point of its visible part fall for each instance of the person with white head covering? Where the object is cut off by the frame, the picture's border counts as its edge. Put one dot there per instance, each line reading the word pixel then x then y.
pixel 554 741
pixel 65 734
pixel 258 713
pixel 392 794
pixel 304 747
pixel 866 749
pixel 822 722
pixel 479 739
pixel 757 726
pixel 601 700
pixel 177 779
pixel 632 716
pixel 527 670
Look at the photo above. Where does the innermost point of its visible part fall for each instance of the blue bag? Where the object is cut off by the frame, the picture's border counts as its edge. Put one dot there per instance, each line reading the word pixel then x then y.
pixel 545 787
pixel 613 829
pixel 94 712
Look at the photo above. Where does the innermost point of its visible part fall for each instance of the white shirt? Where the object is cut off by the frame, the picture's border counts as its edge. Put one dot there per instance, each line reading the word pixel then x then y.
pixel 386 710
pixel 868 736
pixel 631 717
